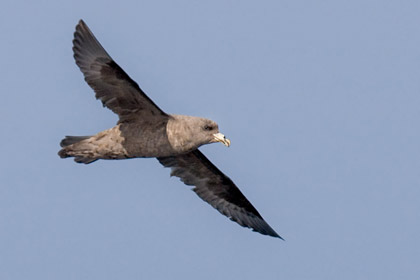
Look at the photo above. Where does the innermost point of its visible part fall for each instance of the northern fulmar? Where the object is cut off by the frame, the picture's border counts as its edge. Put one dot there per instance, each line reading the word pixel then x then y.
pixel 144 130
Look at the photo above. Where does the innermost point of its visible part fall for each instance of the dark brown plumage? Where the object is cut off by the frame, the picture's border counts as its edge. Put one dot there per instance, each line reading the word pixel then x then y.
pixel 144 130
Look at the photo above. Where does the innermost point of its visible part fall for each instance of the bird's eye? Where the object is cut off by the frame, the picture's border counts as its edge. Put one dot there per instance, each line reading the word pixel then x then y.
pixel 208 127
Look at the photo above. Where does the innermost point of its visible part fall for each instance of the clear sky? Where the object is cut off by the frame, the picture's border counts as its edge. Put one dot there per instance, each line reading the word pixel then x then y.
pixel 321 100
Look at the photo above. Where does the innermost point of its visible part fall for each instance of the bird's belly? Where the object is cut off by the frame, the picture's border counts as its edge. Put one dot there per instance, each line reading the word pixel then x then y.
pixel 147 143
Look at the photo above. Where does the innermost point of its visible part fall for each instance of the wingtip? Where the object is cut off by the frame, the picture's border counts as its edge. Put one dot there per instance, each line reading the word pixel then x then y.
pixel 81 22
pixel 81 27
pixel 274 234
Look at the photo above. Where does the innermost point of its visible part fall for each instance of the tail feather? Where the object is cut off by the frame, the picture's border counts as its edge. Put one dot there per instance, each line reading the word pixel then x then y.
pixel 63 153
pixel 84 160
pixel 67 151
pixel 70 140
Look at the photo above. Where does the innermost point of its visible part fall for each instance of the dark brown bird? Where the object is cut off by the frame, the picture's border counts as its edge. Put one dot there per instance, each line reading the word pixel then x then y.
pixel 144 130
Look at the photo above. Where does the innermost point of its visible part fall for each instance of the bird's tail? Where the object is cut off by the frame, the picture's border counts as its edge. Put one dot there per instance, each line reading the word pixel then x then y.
pixel 70 140
pixel 68 150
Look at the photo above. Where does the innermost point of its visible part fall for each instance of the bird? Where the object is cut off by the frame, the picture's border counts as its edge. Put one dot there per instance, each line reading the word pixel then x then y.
pixel 146 131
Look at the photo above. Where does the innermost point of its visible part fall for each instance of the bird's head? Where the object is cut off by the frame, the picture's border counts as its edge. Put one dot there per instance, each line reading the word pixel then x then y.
pixel 192 132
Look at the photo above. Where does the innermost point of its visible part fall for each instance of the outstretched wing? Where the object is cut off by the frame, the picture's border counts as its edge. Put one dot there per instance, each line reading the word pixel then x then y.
pixel 112 85
pixel 214 187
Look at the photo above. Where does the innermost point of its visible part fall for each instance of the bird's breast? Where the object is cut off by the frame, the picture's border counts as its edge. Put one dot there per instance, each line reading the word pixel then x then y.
pixel 146 140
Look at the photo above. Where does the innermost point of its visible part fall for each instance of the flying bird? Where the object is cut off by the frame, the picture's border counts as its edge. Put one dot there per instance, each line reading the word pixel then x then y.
pixel 144 130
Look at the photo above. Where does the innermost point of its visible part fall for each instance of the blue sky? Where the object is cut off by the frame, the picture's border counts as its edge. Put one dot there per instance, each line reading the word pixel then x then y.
pixel 321 100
